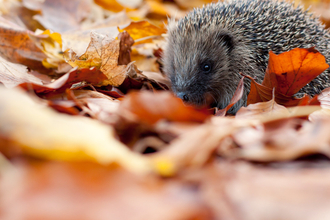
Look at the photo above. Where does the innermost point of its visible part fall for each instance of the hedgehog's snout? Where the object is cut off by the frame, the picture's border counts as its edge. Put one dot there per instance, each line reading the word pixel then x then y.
pixel 184 96
pixel 201 100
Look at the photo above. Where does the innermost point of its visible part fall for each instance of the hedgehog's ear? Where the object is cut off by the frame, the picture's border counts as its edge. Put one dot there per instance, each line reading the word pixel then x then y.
pixel 227 40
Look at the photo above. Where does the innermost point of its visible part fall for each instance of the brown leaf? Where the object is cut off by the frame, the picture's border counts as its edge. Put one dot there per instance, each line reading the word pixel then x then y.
pixel 192 3
pixel 64 106
pixel 126 43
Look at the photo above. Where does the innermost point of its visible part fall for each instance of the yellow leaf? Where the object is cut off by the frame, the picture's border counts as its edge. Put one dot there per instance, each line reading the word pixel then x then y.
pixel 42 132
pixel 164 167
pixel 51 44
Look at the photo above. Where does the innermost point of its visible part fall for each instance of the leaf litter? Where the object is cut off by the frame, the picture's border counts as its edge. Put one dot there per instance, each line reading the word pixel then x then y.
pixel 85 134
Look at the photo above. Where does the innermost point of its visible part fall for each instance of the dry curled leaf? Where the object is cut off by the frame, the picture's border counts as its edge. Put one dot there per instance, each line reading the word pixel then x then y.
pixel 103 53
pixel 126 42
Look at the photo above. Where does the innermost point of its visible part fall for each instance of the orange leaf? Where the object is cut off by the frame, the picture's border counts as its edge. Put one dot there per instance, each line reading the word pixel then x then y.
pixel 261 93
pixel 142 29
pixel 290 71
pixel 17 47
pixel 151 107
pixel 258 93
pixel 110 5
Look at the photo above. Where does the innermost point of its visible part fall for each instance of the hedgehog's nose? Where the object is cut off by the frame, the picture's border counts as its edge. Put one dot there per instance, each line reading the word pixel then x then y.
pixel 183 96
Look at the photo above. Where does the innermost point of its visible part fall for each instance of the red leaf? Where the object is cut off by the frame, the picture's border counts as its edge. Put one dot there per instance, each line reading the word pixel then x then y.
pixel 92 75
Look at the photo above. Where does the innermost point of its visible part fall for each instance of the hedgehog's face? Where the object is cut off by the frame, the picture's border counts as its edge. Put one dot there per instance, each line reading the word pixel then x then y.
pixel 199 66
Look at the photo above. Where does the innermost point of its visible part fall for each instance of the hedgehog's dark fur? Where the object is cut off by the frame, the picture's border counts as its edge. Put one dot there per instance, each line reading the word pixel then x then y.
pixel 233 37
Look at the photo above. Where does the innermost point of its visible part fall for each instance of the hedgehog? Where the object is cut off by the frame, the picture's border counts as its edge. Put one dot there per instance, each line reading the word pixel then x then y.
pixel 207 49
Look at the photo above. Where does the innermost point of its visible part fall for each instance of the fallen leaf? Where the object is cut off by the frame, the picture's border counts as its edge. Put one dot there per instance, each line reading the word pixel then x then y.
pixel 78 40
pixel 51 44
pixel 149 108
pixel 143 29
pixel 37 190
pixel 92 75
pixel 239 190
pixel 110 5
pixel 282 140
pixel 103 53
pixel 192 3
pixel 269 107
pixel 42 132
pixel 126 42
pixel 12 74
pixel 72 13
pixel 17 47
pixel 260 93
pixel 64 106
pixel 290 71
pixel 199 145
pixel 157 9
pixel 101 106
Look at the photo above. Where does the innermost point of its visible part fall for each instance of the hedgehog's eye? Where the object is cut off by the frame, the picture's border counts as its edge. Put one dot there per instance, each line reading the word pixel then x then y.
pixel 206 67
